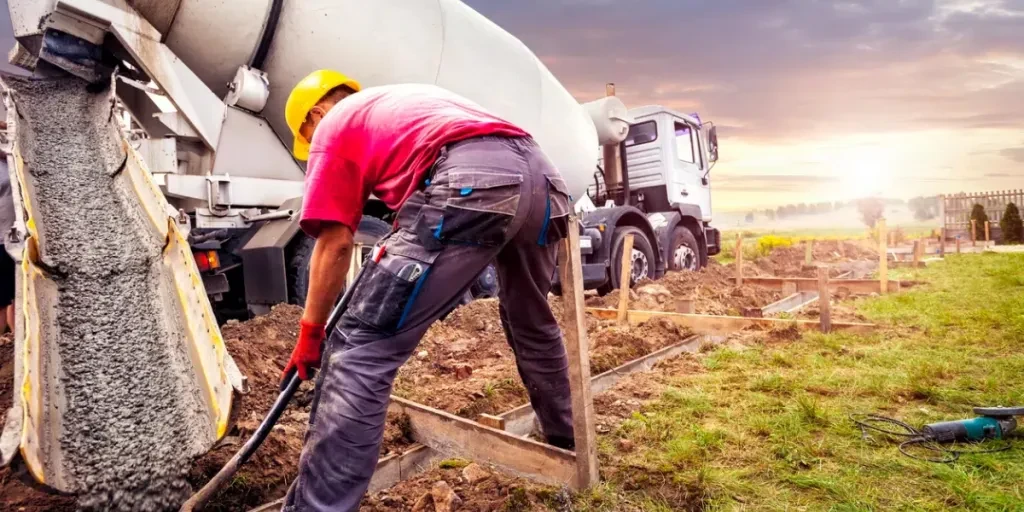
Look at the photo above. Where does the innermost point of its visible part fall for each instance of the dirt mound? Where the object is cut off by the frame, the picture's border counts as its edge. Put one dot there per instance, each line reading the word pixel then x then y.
pixel 713 290
pixel 465 366
pixel 791 261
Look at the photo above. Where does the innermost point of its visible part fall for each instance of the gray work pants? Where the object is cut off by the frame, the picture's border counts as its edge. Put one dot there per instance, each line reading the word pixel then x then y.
pixel 486 199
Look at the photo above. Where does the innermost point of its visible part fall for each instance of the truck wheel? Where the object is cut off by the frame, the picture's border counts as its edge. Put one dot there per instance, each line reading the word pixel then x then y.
pixel 371 230
pixel 643 259
pixel 685 252
pixel 486 284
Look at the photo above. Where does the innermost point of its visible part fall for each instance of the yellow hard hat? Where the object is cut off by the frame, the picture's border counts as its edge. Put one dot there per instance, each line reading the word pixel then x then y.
pixel 304 97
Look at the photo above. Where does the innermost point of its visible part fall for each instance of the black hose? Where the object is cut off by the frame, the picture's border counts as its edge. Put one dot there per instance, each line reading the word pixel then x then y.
pixel 290 384
pixel 267 37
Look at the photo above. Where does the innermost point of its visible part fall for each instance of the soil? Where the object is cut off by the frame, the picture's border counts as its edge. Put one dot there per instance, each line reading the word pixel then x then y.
pixel 463 366
pixel 791 261
pixel 713 290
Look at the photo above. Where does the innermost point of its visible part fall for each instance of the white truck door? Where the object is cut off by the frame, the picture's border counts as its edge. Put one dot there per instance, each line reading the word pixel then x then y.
pixel 687 184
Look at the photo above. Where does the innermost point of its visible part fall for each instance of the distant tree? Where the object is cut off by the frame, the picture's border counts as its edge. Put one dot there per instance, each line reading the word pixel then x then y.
pixel 978 214
pixel 839 205
pixel 770 214
pixel 871 209
pixel 750 217
pixel 801 209
pixel 1011 225
pixel 924 208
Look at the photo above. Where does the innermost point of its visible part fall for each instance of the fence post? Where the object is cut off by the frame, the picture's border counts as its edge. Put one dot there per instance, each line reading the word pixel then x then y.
pixel 808 252
pixel 577 348
pixel 824 298
pixel 917 253
pixel 988 232
pixel 974 232
pixel 883 257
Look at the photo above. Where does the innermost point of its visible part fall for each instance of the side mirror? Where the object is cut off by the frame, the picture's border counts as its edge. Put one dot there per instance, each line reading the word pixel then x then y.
pixel 713 143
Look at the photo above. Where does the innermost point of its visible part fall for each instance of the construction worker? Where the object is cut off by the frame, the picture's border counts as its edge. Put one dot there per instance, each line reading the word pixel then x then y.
pixel 468 188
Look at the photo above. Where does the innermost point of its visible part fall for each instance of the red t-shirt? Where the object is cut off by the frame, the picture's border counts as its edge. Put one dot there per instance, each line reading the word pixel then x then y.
pixel 382 140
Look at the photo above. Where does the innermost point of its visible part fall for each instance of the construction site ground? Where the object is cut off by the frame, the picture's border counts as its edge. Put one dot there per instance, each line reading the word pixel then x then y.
pixel 465 367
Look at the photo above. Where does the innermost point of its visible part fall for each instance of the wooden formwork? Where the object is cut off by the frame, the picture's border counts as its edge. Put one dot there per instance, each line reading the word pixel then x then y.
pixel 502 440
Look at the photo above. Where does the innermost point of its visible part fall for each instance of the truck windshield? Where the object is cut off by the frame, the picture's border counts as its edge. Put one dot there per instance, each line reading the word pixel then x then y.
pixel 642 133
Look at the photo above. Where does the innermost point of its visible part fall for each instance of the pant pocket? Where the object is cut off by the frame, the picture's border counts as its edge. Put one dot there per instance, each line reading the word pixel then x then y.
pixel 559 206
pixel 480 206
pixel 388 290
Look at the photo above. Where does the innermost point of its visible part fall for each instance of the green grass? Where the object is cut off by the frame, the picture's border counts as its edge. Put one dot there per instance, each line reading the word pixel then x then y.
pixel 767 428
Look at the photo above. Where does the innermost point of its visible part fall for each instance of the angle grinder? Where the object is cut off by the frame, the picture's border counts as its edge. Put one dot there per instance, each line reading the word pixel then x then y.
pixel 992 423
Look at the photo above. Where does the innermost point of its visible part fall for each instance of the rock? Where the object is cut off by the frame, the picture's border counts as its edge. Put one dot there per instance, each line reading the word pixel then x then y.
pixel 656 290
pixel 424 504
pixel 445 499
pixel 625 445
pixel 463 371
pixel 473 473
pixel 421 354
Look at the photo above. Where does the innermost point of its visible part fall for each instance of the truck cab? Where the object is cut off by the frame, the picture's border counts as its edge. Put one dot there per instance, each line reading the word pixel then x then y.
pixel 663 198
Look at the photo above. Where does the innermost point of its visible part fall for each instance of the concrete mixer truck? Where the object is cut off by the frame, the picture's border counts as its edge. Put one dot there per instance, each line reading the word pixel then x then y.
pixel 206 83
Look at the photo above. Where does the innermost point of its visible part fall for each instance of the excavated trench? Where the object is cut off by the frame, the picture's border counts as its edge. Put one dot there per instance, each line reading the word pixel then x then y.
pixel 132 413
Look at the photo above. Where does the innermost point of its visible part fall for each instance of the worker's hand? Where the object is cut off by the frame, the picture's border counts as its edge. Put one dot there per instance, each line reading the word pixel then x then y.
pixel 306 354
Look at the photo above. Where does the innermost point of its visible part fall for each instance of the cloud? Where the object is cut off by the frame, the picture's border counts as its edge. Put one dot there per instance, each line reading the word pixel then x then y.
pixel 1015 154
pixel 790 68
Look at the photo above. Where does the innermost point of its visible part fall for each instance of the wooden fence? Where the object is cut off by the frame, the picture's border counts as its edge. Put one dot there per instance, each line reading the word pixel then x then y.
pixel 956 208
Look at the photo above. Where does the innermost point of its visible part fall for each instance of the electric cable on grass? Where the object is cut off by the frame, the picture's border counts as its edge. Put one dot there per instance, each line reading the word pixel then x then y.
pixel 915 438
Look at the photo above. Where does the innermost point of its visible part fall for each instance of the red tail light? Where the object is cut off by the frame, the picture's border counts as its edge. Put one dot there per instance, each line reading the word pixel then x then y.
pixel 202 261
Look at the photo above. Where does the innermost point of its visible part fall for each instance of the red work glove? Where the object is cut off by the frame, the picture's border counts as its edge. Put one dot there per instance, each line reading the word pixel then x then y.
pixel 306 354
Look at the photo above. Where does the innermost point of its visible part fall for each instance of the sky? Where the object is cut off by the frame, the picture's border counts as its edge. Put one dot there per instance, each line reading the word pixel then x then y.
pixel 816 100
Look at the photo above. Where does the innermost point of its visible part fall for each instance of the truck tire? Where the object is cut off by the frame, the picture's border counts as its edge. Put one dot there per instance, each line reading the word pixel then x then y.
pixel 486 284
pixel 643 259
pixel 299 252
pixel 684 253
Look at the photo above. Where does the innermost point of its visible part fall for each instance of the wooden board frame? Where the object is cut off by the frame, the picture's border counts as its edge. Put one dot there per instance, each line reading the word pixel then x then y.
pixel 713 324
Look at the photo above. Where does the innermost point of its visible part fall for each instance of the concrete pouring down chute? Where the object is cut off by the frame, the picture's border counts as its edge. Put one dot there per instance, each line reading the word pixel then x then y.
pixel 121 374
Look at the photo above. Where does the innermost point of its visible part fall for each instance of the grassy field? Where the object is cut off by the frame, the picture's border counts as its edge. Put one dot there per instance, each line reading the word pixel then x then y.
pixel 766 427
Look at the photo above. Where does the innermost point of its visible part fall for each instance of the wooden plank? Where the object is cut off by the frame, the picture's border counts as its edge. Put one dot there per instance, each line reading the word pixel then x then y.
pixel 824 301
pixel 808 252
pixel 810 284
pixel 712 324
pixel 492 421
pixel 792 302
pixel 453 436
pixel 883 258
pixel 390 470
pixel 520 421
pixel 577 348
pixel 625 276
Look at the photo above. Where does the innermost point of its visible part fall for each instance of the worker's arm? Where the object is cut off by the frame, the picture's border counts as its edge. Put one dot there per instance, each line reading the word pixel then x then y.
pixel 328 266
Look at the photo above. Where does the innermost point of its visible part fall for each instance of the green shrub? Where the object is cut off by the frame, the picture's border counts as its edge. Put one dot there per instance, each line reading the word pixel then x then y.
pixel 1011 225
pixel 768 243
pixel 980 217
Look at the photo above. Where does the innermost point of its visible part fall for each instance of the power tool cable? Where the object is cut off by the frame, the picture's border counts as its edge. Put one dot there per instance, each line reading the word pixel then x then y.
pixel 914 438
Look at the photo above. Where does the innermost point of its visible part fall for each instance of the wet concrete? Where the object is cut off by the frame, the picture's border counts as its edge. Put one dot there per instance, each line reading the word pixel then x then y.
pixel 132 413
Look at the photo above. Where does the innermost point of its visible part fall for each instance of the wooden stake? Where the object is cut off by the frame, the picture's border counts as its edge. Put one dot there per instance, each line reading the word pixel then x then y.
pixel 942 242
pixel 808 252
pixel 578 351
pixel 974 232
pixel 625 276
pixel 824 300
pixel 842 249
pixel 739 260
pixel 917 253
pixel 988 232
pixel 883 257
pixel 958 245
